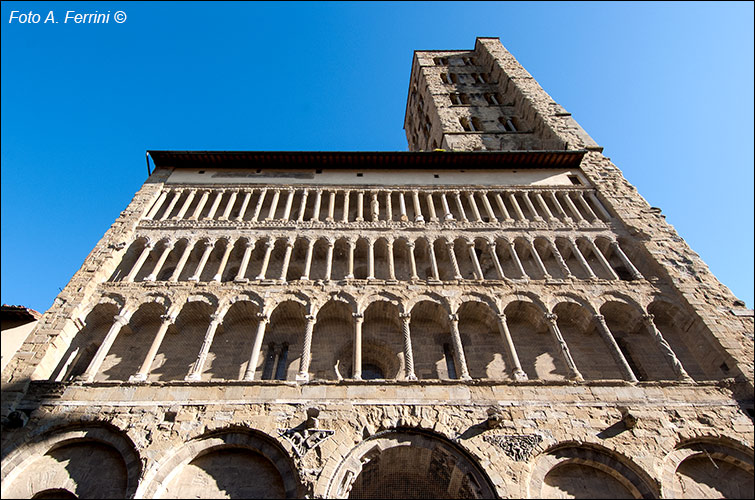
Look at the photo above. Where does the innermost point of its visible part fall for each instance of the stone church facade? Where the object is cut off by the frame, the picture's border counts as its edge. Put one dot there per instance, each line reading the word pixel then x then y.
pixel 495 313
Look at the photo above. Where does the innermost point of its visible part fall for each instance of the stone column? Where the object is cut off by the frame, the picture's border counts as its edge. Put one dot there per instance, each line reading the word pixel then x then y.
pixel 371 259
pixel 329 259
pixel 229 206
pixel 182 261
pixel 286 260
pixel 538 260
pixel 488 207
pixel 346 196
pixel 195 373
pixel 581 258
pixel 388 206
pixel 573 208
pixel 172 204
pixel 496 260
pixel 215 205
pixel 273 205
pixel 166 251
pixel 610 341
pixel 503 327
pixel 599 205
pixel 303 375
pixel 410 245
pixel 559 207
pixel 185 206
pixel 244 204
pixel 350 274
pixel 457 197
pixel 431 207
pixel 418 217
pixel 360 206
pixel 628 263
pixel 530 206
pixel 444 201
pixel 406 319
pixel 502 207
pixel 517 208
pixel 587 208
pixel 157 205
pixel 461 360
pixel 475 260
pixel 308 260
pixel 140 261
pixel 206 255
pixel 391 265
pixel 289 202
pixel 331 206
pixel 602 259
pixel 515 258
pixel 244 262
pixel 375 207
pixel 550 319
pixel 452 258
pixel 258 207
pixel 141 375
pixel 541 201
pixel 318 202
pixel 473 204
pixel 200 205
pixel 94 366
pixel 266 260
pixel 433 260
pixel 560 260
pixel 668 353
pixel 358 320
pixel 224 260
pixel 303 205
pixel 251 368
pixel 402 207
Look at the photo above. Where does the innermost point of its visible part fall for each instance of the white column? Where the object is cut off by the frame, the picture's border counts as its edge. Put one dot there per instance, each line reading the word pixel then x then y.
pixel 185 206
pixel 94 366
pixel 331 206
pixel 457 197
pixel 224 260
pixel 444 201
pixel 402 207
pixel 517 208
pixel 346 196
pixel 229 206
pixel 668 353
pixel 358 320
pixel 329 259
pixel 408 356
pixel 587 208
pixel 475 260
pixel 496 260
pixel 350 274
pixel 303 375
pixel 473 204
pixel 140 261
pixel 503 328
pixel 200 205
pixel 610 341
pixel 207 250
pixel 360 206
pixel 196 370
pixel 560 260
pixel 182 261
pixel 538 260
pixel 550 319
pixel 502 207
pixel 541 201
pixel 251 368
pixel 515 258
pixel 452 258
pixel 273 205
pixel 371 259
pixel 456 336
pixel 172 204
pixel 286 260
pixel 289 202
pixel 244 204
pixel 258 207
pixel 388 206
pixel 308 260
pixel 488 207
pixel 391 265
pixel 599 205
pixel 530 206
pixel 166 251
pixel 318 202
pixel 157 205
pixel 633 270
pixel 266 260
pixel 573 208
pixel 413 263
pixel 581 258
pixel 431 207
pixel 559 207
pixel 244 262
pixel 418 217
pixel 433 260
pixel 303 205
pixel 215 205
pixel 141 375
pixel 602 259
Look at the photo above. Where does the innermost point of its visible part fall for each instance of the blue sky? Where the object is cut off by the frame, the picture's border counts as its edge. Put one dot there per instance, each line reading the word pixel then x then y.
pixel 665 88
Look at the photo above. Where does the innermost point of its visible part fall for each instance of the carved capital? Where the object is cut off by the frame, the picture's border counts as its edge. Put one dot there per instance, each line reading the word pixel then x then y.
pixel 550 318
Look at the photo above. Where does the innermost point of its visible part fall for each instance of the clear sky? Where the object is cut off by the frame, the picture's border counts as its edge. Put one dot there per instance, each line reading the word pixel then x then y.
pixel 665 88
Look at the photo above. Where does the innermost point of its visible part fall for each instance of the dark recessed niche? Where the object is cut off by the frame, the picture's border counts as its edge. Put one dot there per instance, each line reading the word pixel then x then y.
pixel 201 171
pixel 436 176
pixel 318 171
pixel 360 174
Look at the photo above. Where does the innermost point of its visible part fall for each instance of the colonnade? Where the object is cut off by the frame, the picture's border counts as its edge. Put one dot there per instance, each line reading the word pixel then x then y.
pixel 573 206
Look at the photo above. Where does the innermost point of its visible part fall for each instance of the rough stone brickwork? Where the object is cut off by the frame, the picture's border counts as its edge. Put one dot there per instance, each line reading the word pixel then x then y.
pixel 515 322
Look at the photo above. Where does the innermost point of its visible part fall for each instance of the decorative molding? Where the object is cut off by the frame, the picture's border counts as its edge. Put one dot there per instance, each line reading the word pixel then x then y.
pixel 517 446
pixel 303 440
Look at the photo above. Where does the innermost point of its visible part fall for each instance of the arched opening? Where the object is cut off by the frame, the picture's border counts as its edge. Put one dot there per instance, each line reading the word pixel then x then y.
pixel 231 346
pixel 537 348
pixel 482 342
pixel 432 345
pixel 382 342
pixel 332 342
pixel 181 345
pixel 283 342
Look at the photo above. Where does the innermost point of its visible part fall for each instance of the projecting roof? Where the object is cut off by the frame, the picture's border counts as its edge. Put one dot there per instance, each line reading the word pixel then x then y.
pixel 19 313
pixel 368 160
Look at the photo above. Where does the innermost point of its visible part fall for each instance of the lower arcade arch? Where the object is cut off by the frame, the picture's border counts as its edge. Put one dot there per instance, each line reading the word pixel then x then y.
pixel 231 463
pixel 409 463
